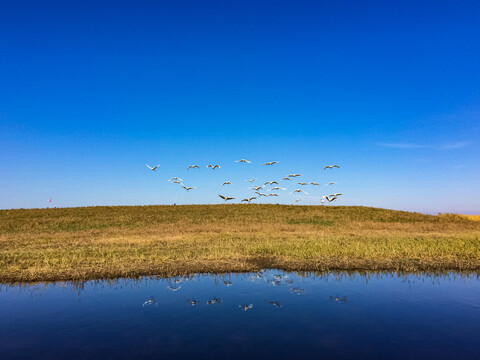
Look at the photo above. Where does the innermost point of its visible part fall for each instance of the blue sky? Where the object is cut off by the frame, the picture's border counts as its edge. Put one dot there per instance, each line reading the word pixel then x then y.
pixel 92 90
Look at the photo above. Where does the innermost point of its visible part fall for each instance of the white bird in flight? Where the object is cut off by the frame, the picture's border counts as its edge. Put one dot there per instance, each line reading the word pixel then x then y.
pixel 314 183
pixel 298 200
pixel 271 183
pixel 270 163
pixel 243 160
pixel 330 167
pixel 213 166
pixel 277 188
pixel 175 178
pixel 193 167
pixel 298 190
pixel 294 175
pixel 177 182
pixel 256 188
pixel 302 183
pixel 187 188
pixel 153 168
pixel 227 183
pixel 330 198
pixel 226 198
pixel 286 178
pixel 272 194
pixel 251 180
pixel 331 183
pixel 260 194
pixel 249 199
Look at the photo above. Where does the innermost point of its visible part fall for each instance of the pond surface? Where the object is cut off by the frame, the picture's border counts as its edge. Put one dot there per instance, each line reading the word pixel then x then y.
pixel 266 315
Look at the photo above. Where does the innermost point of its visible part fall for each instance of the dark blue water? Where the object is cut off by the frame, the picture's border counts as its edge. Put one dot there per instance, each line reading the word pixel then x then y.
pixel 269 315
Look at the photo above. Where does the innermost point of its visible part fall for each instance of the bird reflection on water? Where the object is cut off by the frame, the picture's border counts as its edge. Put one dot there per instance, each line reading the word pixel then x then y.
pixel 274 282
pixel 275 303
pixel 214 301
pixel 338 299
pixel 275 279
pixel 149 302
pixel 297 291
pixel 174 288
pixel 192 302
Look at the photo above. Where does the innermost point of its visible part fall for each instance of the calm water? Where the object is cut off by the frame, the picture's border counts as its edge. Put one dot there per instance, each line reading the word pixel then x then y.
pixel 282 315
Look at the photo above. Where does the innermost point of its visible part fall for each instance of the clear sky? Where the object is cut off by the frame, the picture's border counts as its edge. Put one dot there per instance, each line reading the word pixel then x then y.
pixel 91 91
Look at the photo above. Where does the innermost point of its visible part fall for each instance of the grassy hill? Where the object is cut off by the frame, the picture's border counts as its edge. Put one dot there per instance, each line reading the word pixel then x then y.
pixel 97 242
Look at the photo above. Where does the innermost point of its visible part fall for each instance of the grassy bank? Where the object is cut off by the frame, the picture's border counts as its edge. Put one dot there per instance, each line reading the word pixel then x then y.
pixel 96 242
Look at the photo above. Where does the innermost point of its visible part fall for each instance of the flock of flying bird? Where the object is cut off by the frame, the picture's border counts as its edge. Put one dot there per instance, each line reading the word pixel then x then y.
pixel 258 188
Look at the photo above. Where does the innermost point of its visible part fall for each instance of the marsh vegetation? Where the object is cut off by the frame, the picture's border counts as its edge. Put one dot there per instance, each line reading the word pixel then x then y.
pixel 126 241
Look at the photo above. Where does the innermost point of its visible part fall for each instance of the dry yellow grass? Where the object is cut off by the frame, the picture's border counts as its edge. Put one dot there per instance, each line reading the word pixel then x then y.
pixel 97 242
pixel 462 216
pixel 471 217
